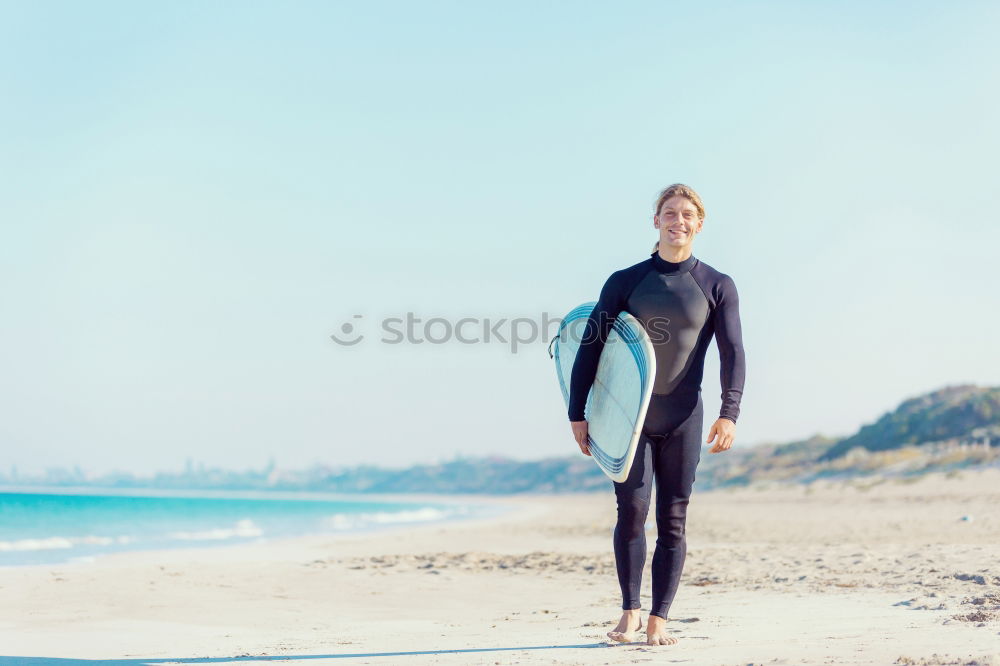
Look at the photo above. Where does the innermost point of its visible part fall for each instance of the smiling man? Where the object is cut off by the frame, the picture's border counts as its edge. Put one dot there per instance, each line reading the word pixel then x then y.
pixel 682 303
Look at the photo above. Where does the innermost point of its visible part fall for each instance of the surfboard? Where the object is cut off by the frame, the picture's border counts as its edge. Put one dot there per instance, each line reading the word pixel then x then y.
pixel 617 403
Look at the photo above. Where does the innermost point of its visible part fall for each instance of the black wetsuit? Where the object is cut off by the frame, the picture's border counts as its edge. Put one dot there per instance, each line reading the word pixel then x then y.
pixel 681 306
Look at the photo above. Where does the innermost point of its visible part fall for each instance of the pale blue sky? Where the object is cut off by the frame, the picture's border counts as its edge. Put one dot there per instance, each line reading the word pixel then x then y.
pixel 195 195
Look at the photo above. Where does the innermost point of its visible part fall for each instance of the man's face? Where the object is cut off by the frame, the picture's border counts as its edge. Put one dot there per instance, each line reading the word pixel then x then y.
pixel 678 221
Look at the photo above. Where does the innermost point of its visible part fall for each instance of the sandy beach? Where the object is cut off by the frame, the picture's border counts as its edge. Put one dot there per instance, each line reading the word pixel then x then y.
pixel 862 572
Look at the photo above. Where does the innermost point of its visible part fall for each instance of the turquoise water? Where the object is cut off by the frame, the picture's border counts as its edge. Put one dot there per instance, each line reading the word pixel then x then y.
pixel 65 526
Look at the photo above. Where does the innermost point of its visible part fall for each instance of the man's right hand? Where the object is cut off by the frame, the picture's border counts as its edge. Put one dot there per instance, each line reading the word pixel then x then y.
pixel 580 435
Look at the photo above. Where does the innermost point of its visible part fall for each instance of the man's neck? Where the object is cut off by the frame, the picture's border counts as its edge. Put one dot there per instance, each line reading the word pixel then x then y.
pixel 674 254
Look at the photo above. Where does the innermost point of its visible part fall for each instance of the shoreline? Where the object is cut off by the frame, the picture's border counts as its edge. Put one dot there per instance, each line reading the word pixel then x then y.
pixel 495 508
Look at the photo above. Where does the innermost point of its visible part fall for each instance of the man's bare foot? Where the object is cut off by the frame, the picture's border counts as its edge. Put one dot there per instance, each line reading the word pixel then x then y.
pixel 656 632
pixel 628 627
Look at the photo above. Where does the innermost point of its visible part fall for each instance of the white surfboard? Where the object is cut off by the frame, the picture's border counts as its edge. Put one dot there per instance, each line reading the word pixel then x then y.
pixel 617 403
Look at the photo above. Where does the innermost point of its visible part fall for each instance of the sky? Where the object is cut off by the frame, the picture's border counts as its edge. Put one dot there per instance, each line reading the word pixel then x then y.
pixel 196 196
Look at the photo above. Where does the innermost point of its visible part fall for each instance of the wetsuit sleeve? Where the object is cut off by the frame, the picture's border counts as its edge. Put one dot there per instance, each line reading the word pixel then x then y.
pixel 729 339
pixel 595 335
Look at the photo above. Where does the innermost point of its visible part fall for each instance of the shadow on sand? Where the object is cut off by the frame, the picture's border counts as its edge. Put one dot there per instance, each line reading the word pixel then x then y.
pixel 55 661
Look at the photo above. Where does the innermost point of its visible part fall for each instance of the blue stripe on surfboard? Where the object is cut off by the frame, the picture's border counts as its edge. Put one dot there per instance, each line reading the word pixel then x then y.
pixel 609 463
pixel 612 465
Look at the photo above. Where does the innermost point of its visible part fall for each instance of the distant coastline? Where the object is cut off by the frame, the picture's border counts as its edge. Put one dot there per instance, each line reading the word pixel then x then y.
pixel 950 429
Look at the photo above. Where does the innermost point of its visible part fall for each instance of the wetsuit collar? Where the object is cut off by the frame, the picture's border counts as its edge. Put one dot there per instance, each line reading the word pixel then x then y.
pixel 664 266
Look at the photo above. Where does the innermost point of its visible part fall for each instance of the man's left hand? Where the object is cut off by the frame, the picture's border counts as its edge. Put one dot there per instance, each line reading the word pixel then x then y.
pixel 726 432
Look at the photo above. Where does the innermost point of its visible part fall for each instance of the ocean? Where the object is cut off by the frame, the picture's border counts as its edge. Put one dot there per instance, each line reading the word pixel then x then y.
pixel 60 526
